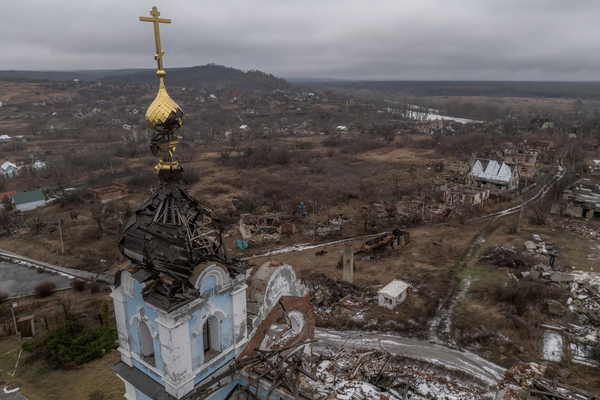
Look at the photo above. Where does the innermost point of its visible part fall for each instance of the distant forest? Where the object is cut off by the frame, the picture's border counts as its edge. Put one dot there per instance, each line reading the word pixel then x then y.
pixel 576 90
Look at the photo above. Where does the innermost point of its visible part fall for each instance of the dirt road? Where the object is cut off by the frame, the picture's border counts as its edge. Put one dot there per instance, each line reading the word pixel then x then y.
pixel 469 363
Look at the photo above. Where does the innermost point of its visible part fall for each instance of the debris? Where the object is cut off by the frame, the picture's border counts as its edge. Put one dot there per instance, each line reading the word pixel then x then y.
pixel 576 228
pixel 241 244
pixel 395 239
pixel 320 253
pixel 552 346
pixel 561 277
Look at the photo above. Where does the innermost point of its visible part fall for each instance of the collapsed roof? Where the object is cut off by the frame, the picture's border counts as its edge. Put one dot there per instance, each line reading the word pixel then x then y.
pixel 493 171
pixel 169 235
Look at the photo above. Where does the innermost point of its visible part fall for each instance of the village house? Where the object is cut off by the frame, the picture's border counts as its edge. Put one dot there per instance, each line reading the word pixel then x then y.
pixel 493 175
pixel 457 167
pixel 461 195
pixel 526 160
pixel 5 138
pixel 544 123
pixel 9 169
pixel 582 200
pixel 26 201
pixel 541 145
pixel 393 294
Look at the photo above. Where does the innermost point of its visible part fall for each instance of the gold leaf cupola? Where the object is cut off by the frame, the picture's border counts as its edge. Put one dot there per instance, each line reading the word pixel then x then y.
pixel 164 116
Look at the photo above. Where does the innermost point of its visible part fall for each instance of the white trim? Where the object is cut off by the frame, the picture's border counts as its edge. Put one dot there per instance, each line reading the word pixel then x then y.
pixel 127 284
pixel 140 316
pixel 170 323
pixel 234 292
pixel 222 277
pixel 212 310
pixel 150 367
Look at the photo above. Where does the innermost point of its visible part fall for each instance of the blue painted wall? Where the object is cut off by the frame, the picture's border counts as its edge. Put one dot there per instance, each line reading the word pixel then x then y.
pixel 222 302
pixel 134 331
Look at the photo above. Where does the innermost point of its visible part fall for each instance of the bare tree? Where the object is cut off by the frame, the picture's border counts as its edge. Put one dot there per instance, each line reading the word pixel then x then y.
pixel 5 221
pixel 132 143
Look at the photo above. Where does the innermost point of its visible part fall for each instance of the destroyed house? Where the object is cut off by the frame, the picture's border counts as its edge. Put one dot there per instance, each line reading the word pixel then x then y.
pixel 583 200
pixel 457 167
pixel 466 195
pixel 109 191
pixel 526 160
pixel 494 175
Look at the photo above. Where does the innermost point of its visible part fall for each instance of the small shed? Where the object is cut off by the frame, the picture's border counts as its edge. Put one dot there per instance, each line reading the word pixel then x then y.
pixel 27 326
pixel 393 294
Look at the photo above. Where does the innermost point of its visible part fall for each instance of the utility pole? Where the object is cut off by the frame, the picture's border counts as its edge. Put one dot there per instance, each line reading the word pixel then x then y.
pixel 520 217
pixel 14 305
pixel 62 246
pixel 314 226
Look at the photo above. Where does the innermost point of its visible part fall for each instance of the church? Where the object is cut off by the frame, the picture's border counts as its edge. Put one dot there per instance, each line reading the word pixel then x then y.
pixel 194 323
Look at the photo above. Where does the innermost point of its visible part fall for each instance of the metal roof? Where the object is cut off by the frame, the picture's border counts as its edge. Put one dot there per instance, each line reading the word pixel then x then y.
pixel 28 197
pixel 494 171
pixel 395 288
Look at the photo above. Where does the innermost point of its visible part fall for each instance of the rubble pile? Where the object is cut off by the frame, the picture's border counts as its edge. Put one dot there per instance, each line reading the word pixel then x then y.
pixel 585 299
pixel 267 228
pixel 375 374
pixel 333 296
pixel 333 226
pixel 505 256
pixel 526 381
pixel 576 228
pixel 517 380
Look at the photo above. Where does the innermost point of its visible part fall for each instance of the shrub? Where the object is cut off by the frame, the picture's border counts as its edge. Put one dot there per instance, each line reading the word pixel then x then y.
pixel 73 344
pixel 78 284
pixel 94 287
pixel 44 289
pixel 3 296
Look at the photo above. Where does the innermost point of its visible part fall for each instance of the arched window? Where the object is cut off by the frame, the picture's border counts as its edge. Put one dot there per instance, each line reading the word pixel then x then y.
pixel 210 338
pixel 146 344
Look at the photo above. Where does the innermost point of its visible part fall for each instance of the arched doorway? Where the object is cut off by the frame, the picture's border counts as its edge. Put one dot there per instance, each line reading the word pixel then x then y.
pixel 210 338
pixel 146 344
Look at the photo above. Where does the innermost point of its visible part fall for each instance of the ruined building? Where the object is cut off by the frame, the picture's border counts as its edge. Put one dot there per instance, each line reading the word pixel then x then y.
pixel 190 319
pixel 494 175
pixel 526 160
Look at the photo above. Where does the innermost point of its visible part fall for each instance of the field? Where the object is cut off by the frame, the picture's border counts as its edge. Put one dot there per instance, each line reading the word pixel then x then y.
pixel 346 158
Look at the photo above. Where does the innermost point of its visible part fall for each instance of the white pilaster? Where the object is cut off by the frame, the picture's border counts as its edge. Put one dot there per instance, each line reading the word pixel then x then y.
pixel 121 318
pixel 130 392
pixel 240 317
pixel 176 355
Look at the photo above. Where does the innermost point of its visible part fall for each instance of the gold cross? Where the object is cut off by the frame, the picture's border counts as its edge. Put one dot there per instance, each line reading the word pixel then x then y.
pixel 159 52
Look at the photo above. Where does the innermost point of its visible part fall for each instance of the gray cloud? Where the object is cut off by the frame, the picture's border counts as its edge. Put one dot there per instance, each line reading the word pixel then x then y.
pixel 367 39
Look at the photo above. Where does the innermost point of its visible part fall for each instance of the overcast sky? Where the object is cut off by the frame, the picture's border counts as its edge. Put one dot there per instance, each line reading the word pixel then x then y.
pixel 368 39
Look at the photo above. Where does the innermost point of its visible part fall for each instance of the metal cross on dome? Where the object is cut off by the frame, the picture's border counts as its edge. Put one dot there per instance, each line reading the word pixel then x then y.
pixel 159 52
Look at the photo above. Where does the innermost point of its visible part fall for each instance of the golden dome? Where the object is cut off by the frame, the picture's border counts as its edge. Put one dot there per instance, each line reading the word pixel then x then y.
pixel 164 115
